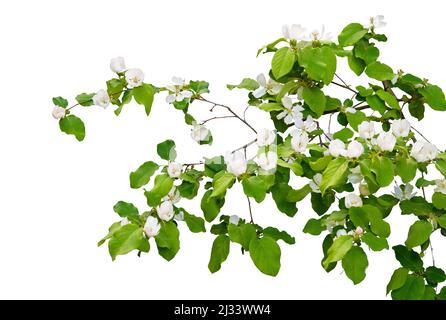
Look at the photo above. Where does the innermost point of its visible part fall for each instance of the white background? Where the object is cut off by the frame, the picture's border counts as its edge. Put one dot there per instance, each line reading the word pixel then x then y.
pixel 57 194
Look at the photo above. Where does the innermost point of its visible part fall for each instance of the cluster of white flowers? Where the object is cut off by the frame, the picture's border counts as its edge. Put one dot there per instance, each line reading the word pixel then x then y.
pixel 266 86
pixel 199 132
pixel 177 93
pixel 338 148
pixel 423 151
pixel 299 141
pixel 296 32
pixel 134 77
pixel 267 160
pixel 236 163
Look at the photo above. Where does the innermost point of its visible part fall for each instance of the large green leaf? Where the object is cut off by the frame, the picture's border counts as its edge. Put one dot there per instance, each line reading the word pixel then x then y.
pixel 163 184
pixel 221 183
pixel 246 83
pixel 355 263
pixel 366 51
pixel 434 97
pixel 406 168
pixel 211 206
pixel 242 234
pixel 219 253
pixel 439 200
pixel 265 253
pixel 128 238
pixel 194 223
pixel 413 289
pixel 168 240
pixel 351 34
pixel 315 99
pixel 397 280
pixel 418 234
pixel 144 95
pixel 384 170
pixel 72 125
pixel 335 174
pixel 338 249
pixel 319 63
pixel 375 243
pixel 283 61
pixel 142 175
pixel 127 210
pixel 379 71
pixel 408 258
pixel 166 150
pixel 257 186
pixel 280 193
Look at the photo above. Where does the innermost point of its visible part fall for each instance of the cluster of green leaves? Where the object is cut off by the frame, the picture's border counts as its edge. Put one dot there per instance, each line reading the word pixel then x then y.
pixel 304 69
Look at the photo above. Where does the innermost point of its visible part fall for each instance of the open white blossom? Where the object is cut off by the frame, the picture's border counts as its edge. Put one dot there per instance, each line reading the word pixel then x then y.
pixel 352 200
pixel 293 32
pixel 307 125
pixel 401 128
pixel 366 130
pixel 271 87
pixel 234 219
pixel 315 183
pixel 354 150
pixel 320 35
pixel 423 151
pixel 117 64
pixel 404 193
pixel 101 98
pixel 58 112
pixel 299 141
pixel 336 148
pixel 441 186
pixel 265 137
pixel 165 211
pixel 174 169
pixel 291 112
pixel 134 77
pixel 386 141
pixel 341 232
pixel 199 132
pixel 377 22
pixel 267 160
pixel 176 91
pixel 355 175
pixel 173 196
pixel 152 227
pixel 236 163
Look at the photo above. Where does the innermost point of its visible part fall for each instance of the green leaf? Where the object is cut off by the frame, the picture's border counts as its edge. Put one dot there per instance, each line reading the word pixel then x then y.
pixel 383 169
pixel 242 234
pixel 214 165
pixel 351 34
pixel 194 223
pixel 127 210
pixel 413 289
pixel 111 231
pixel 379 71
pixel 366 51
pixel 166 150
pixel 377 224
pixel 188 190
pixel 319 63
pixel 356 65
pixel 211 206
pixel 60 102
pixel 406 168
pixel 168 240
pixel 338 249
pixel 73 125
pixel 359 216
pixel 321 203
pixel 246 83
pixel 280 193
pixel 128 238
pixel 315 99
pixel 163 184
pixel 265 253
pixel 272 106
pixel 114 89
pixel 442 221
pixel 355 263
pixel 397 280
pixel 314 227
pixel 389 99
pixel 439 200
pixel 335 174
pixel 355 119
pixel 408 258
pixel 219 253
pixel 294 166
pixel 257 186
pixel 199 86
pixel 418 234
pixel 221 183
pixel 278 235
pixel 282 63
pixel 299 194
pixel 417 205
pixel 85 99
pixel 144 95
pixel 343 135
pixel 435 275
pixel 375 243
pixel 142 175
pixel 376 104
pixel 434 97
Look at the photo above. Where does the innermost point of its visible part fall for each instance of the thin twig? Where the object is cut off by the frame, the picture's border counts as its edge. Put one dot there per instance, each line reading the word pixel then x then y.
pixel 422 135
pixel 250 209
pixel 245 146
pixel 345 87
pixel 432 252
pixel 215 118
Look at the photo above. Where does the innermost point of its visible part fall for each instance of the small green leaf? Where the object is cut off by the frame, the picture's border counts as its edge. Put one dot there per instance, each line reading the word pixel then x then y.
pixel 314 227
pixel 439 200
pixel 73 125
pixel 383 169
pixel 128 238
pixel 246 83
pixel 163 184
pixel 278 235
pixel 355 119
pixel 338 249
pixel 315 99
pixel 144 95
pixel 294 166
pixel 375 243
pixel 242 234
pixel 85 99
pixel 379 71
pixel 194 223
pixel 319 63
pixel 397 280
pixel 280 193
pixel 111 231
pixel 366 51
pixel 408 258
pixel 282 63
pixel 376 103
pixel 271 106
pixel 418 234
pixel 221 183
pixel 166 150
pixel 355 263
pixel 142 175
pixel 211 206
pixel 265 253
pixel 60 102
pixel 257 186
pixel 126 210
pixel 335 174
pixel 199 87
pixel 219 253
pixel 299 194
pixel 343 135
pixel 417 205
pixel 389 99
pixel 356 65
pixel 168 240
pixel 406 168
pixel 434 97
pixel 351 34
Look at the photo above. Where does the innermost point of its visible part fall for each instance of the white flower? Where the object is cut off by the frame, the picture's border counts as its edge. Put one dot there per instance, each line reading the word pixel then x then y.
pixel 101 98
pixel 179 216
pixel 401 128
pixel 267 160
pixel 355 175
pixel 364 189
pixel 165 211
pixel 234 219
pixel 341 232
pixel 271 87
pixel 174 169
pixel 377 22
pixel 134 77
pixel 265 137
pixel 125 221
pixel 359 231
pixel 152 227
pixel 173 196
pixel 117 64
pixel 314 184
pixel 321 36
pixel 386 141
pixel 299 142
pixel 293 32
pixel 176 91
pixel 199 132
pixel 336 148
pixel 366 130
pixel 58 112
pixel 354 150
pixel 236 163
pixel 350 110
pixel 424 151
pixel 353 200
pixel 441 186
pixel 308 125
pixel 404 193
pixel 291 112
